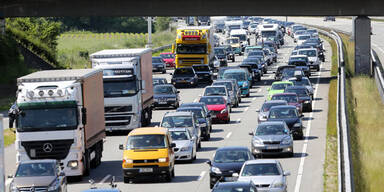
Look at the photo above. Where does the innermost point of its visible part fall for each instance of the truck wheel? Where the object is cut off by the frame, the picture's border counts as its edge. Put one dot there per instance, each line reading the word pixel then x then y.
pixel 233 60
pixel 98 154
pixel 126 180
pixel 86 163
pixel 164 71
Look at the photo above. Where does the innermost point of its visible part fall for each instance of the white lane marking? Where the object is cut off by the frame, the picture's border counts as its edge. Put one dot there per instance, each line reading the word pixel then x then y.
pixel 104 179
pixel 228 135
pixel 305 146
pixel 238 120
pixel 254 99
pixel 201 176
pixel 7 182
pixel 246 109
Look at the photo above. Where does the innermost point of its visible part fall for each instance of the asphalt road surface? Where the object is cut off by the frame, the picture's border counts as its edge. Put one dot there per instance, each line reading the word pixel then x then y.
pixel 306 166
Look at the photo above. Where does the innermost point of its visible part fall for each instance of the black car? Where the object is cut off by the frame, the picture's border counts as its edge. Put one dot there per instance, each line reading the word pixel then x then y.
pixel 262 64
pixel 279 71
pixel 301 64
pixel 204 73
pixel 203 119
pixel 290 116
pixel 158 64
pixel 238 186
pixel 159 81
pixel 166 96
pixel 184 76
pixel 221 54
pixel 230 52
pixel 255 68
pixel 227 160
pixel 304 96
pixel 201 105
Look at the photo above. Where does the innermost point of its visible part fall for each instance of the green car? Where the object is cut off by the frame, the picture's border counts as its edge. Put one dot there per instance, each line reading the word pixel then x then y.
pixel 278 87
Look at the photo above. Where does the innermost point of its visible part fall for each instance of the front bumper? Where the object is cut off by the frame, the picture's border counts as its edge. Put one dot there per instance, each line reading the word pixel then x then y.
pixel 272 149
pixel 183 82
pixel 267 189
pixel 245 91
pixel 134 172
pixel 184 155
pixel 220 117
pixel 166 103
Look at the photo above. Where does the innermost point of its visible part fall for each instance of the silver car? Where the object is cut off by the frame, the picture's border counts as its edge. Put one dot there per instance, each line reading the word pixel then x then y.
pixel 230 88
pixel 263 112
pixel 272 138
pixel 186 144
pixel 267 175
pixel 219 90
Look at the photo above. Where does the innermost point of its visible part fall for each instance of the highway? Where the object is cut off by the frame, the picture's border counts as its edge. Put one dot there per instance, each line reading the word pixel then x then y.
pixel 306 166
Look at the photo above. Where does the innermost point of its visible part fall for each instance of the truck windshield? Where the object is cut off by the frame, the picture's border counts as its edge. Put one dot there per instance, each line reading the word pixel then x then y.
pixel 241 37
pixel 50 119
pixel 191 49
pixel 113 88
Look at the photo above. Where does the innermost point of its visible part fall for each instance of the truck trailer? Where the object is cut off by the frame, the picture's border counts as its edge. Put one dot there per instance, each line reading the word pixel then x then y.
pixel 60 116
pixel 128 89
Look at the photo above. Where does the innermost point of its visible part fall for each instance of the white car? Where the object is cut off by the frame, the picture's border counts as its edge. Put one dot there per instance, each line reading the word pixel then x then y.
pixel 267 174
pixel 186 144
pixel 302 38
pixel 297 33
pixel 313 57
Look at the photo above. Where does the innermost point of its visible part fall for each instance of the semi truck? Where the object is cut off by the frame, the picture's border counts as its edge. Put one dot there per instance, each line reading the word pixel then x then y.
pixel 194 45
pixel 128 89
pixel 60 116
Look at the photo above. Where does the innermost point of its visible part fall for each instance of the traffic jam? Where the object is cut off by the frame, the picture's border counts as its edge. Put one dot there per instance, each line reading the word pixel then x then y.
pixel 221 61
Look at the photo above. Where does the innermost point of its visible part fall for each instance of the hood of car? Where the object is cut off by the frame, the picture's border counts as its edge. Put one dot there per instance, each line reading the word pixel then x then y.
pixel 271 138
pixel 289 121
pixel 181 143
pixel 235 167
pixel 156 96
pixel 33 181
pixel 262 180
pixel 216 107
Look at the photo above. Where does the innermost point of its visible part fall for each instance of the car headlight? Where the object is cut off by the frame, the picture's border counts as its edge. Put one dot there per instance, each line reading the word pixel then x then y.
pixel 12 187
pixel 163 160
pixel 286 142
pixel 72 164
pixel 277 184
pixel 54 186
pixel 297 125
pixel 223 111
pixel 257 142
pixel 127 161
pixel 185 148
pixel 216 170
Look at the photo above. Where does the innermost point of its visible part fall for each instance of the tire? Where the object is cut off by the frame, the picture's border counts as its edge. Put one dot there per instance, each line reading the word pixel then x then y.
pixel 168 176
pixel 233 60
pixel 259 79
pixel 248 95
pixel 127 179
pixel 228 120
pixel 310 109
pixel 291 154
pixel 318 68
pixel 199 145
pixel 86 163
pixel 176 106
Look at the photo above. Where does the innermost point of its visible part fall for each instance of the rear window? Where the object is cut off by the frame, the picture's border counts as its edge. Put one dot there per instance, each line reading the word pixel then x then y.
pixel 201 68
pixel 287 98
pixel 309 53
pixel 215 91
pixel 213 100
pixel 226 84
pixel 157 60
pixel 184 71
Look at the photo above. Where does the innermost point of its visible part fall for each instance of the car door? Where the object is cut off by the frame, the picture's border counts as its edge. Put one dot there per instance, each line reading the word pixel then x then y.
pixel 171 153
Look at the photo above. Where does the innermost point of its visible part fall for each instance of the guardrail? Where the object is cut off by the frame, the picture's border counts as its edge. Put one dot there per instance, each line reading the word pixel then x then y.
pixel 345 171
pixel 378 73
pixel 161 48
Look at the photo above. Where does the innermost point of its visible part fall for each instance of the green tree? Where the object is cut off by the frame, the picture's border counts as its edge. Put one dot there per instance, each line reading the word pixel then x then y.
pixel 162 23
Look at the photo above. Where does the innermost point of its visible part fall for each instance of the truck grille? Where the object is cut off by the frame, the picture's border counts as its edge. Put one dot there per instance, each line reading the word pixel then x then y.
pixel 53 149
pixel 118 109
pixel 117 120
pixel 191 61
pixel 35 189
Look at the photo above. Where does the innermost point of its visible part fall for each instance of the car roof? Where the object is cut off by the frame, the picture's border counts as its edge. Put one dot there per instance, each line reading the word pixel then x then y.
pixel 235 70
pixel 178 113
pixel 307 49
pixel 215 86
pixel 188 108
pixel 272 122
pixel 212 96
pixel 279 94
pixel 149 130
pixel 260 161
pixel 294 56
pixel 193 103
pixel 228 148
pixel 282 82
pixel 222 80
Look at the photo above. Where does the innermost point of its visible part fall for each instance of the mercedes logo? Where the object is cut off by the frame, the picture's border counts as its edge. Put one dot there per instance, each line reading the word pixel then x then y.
pixel 47 147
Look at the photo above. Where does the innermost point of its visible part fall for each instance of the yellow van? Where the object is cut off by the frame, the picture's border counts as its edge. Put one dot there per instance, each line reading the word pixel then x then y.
pixel 148 152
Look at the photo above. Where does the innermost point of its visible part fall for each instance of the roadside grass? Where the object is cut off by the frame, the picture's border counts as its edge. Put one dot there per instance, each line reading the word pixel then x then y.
pixel 74 48
pixel 331 161
pixel 365 111
pixel 9 137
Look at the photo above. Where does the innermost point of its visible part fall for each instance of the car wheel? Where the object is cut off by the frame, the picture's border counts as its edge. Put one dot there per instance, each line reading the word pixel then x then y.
pixel 199 145
pixel 168 176
pixel 318 68
pixel 164 71
pixel 259 79
pixel 248 95
pixel 126 180
pixel 310 109
pixel 233 60
pixel 291 154
pixel 228 120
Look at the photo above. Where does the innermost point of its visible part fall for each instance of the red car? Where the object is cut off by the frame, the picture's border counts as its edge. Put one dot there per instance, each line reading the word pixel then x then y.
pixel 218 107
pixel 291 98
pixel 168 58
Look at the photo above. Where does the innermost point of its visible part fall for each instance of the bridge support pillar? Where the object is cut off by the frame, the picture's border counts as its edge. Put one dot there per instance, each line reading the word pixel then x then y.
pixel 362 36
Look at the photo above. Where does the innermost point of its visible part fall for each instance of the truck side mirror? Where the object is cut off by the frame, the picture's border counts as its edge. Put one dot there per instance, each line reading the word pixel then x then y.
pixel 84 116
pixel 11 120
pixel 121 147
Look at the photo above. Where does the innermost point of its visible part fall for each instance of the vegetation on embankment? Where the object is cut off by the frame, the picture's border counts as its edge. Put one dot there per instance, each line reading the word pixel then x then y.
pixel 366 123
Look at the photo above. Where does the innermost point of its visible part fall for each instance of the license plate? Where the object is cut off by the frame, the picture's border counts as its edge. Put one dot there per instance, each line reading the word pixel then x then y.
pixel 272 147
pixel 229 179
pixel 162 102
pixel 183 81
pixel 146 170
pixel 213 116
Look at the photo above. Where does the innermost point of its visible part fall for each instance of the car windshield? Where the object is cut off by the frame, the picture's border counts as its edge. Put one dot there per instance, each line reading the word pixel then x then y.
pixel 213 100
pixel 260 169
pixel 177 121
pixel 298 63
pixel 309 53
pixel 299 92
pixel 114 88
pixel 36 170
pixel 201 68
pixel 303 82
pixel 238 76
pixel 230 156
pixel 228 85
pixel 304 37
pixel 158 81
pixel 215 91
pixel 289 72
pixel 54 119
pixel 219 52
pixel 184 72
pixel 282 113
pixel 287 98
pixel 234 27
pixel 167 56
pixel 280 86
pixel 197 112
pixel 267 106
pixel 191 49
pixel 277 129
pixel 255 53
pixel 163 90
pixel 268 33
pixel 241 37
pixel 146 142
pixel 179 135
pixel 157 60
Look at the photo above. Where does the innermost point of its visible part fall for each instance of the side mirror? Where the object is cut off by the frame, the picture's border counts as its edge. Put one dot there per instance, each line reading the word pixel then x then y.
pixel 84 115
pixel 209 163
pixel 177 91
pixel 171 74
pixel 10 176
pixel 301 115
pixel 173 145
pixel 61 174
pixel 287 173
pixel 250 133
pixel 121 147
pixel 235 175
